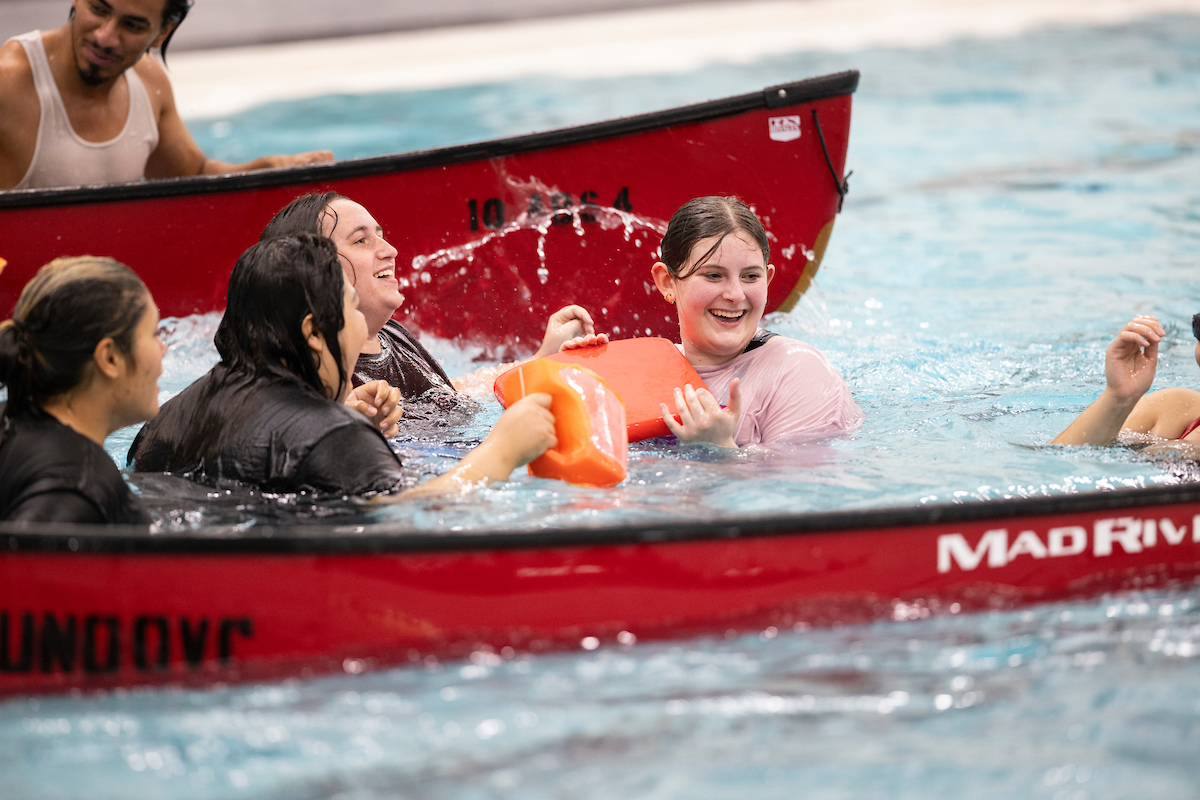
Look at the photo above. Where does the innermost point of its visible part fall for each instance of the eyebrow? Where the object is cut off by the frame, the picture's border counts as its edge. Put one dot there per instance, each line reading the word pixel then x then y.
pixel 130 17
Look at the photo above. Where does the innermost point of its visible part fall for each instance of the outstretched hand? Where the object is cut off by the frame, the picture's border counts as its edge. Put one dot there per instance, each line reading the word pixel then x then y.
pixel 701 418
pixel 380 403
pixel 565 324
pixel 1132 358
pixel 295 159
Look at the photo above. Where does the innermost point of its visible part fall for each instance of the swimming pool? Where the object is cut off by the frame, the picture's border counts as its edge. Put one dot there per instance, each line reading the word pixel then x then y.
pixel 1013 203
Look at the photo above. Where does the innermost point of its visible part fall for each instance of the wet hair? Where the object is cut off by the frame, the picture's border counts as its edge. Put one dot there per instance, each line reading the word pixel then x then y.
pixel 305 214
pixel 174 11
pixel 69 307
pixel 703 218
pixel 274 286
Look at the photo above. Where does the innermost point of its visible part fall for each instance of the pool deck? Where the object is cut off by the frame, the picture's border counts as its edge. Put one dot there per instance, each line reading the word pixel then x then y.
pixel 429 48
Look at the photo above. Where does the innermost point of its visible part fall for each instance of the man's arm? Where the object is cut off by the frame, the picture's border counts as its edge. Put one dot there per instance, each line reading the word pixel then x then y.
pixel 178 154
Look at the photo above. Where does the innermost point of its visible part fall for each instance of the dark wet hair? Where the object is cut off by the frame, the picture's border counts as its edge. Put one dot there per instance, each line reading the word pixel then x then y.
pixel 274 286
pixel 174 11
pixel 305 214
pixel 704 218
pixel 69 307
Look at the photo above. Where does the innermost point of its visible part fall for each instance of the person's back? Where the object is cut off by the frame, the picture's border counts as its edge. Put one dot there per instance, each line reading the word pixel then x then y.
pixel 265 431
pixel 50 473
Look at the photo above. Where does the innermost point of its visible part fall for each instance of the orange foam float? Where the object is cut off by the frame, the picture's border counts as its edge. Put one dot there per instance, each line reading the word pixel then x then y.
pixel 589 422
pixel 644 372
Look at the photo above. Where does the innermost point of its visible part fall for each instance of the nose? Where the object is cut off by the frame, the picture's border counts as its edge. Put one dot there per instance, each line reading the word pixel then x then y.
pixel 106 34
pixel 732 290
pixel 388 250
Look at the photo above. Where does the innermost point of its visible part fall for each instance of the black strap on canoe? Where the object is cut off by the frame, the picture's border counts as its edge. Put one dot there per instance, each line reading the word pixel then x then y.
pixel 842 184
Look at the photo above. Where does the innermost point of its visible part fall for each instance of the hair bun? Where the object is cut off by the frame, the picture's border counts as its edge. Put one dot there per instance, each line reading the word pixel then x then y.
pixel 15 355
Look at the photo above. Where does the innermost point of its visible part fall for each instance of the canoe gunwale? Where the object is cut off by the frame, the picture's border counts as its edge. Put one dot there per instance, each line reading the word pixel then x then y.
pixel 385 538
pixel 772 97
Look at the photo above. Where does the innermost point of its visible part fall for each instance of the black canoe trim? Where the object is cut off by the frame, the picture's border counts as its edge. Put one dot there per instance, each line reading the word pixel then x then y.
pixel 384 538
pixel 788 94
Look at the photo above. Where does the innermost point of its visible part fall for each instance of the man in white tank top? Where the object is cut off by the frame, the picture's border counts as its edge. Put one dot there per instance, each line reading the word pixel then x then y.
pixel 86 103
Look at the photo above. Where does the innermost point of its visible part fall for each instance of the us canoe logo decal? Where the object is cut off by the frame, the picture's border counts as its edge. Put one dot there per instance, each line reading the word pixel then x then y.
pixel 784 129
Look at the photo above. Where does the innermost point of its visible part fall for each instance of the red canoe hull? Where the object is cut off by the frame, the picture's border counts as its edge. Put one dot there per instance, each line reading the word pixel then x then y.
pixel 87 610
pixel 491 237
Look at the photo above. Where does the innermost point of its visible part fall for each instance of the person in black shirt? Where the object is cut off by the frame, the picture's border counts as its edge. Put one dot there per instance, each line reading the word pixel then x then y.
pixel 391 352
pixel 272 414
pixel 80 358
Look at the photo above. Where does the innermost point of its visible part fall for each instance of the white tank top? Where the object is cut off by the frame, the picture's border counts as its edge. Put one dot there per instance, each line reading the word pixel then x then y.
pixel 60 157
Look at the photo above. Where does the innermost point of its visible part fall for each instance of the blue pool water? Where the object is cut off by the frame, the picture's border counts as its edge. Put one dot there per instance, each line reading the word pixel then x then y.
pixel 1013 203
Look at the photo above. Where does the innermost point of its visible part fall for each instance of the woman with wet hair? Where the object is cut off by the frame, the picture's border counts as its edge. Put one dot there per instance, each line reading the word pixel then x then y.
pixel 80 358
pixel 391 353
pixel 272 413
pixel 715 270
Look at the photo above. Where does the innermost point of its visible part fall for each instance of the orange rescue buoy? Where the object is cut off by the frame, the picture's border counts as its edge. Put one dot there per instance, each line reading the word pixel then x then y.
pixel 589 422
pixel 644 372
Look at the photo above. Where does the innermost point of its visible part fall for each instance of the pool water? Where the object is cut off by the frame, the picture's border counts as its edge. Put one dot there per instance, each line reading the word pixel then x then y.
pixel 1014 202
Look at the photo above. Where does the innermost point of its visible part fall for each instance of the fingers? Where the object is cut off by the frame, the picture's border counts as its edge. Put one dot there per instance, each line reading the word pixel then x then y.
pixel 1142 330
pixel 674 427
pixel 735 398
pixel 580 342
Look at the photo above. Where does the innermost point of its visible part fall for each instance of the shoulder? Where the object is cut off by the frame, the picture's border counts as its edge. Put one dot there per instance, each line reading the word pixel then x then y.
pixel 14 64
pixel 791 358
pixel 16 77
pixel 1165 413
pixel 158 85
pixel 45 457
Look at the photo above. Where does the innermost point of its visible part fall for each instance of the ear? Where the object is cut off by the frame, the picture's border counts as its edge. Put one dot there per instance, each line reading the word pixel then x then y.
pixel 108 359
pixel 662 278
pixel 309 330
pixel 163 34
pixel 770 273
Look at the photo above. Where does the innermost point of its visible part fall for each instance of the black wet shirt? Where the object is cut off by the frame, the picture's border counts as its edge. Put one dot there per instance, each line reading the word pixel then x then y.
pixel 50 473
pixel 430 400
pixel 269 432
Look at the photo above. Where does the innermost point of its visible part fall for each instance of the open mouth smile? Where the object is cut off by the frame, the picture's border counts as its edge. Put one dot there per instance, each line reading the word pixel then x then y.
pixel 388 273
pixel 727 316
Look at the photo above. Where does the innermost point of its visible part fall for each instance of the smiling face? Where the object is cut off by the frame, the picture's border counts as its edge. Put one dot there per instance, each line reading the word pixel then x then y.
pixel 109 36
pixel 722 302
pixel 368 261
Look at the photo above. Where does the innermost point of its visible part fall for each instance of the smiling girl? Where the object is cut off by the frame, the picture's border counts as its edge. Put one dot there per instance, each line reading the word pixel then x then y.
pixel 715 269
pixel 391 353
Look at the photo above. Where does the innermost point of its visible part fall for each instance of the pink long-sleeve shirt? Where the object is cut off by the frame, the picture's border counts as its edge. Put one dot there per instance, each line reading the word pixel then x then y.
pixel 789 391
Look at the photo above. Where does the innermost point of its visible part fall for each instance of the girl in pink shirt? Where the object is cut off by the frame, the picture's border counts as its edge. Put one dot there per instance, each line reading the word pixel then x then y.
pixel 715 269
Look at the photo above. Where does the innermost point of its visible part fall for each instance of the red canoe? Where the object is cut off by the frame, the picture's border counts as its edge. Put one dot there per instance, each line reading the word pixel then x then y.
pixel 87 608
pixel 492 236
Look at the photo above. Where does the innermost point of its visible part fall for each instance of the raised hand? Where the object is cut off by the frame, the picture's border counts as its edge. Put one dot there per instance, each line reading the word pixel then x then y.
pixel 1132 358
pixel 565 324
pixel 701 418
